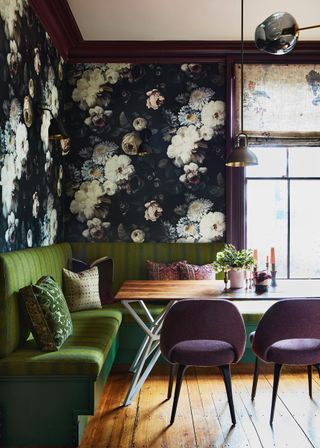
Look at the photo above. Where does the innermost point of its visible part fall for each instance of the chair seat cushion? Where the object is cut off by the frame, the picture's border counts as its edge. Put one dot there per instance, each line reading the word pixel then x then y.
pixel 202 352
pixel 82 354
pixel 295 351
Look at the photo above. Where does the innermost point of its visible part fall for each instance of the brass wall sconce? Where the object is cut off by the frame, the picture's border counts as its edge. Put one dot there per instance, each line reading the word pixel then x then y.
pixel 56 128
pixel 279 33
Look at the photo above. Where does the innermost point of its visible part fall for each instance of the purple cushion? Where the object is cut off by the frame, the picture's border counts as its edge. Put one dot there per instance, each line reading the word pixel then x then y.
pixel 202 352
pixel 295 351
pixel 195 272
pixel 162 271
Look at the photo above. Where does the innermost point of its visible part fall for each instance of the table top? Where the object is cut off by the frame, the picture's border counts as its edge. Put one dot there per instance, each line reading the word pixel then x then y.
pixel 150 290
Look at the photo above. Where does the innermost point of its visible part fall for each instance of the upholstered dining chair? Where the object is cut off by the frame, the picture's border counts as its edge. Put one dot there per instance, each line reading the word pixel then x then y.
pixel 288 333
pixel 202 332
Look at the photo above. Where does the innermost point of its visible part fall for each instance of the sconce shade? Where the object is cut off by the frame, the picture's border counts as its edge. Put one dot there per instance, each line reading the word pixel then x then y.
pixel 241 156
pixel 278 34
pixel 57 130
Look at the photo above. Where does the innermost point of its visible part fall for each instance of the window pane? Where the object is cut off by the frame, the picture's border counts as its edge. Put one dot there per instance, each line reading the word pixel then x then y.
pixel 304 228
pixel 304 162
pixel 267 221
pixel 272 163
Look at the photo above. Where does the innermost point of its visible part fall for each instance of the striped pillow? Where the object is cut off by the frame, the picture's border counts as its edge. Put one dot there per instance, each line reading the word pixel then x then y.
pixel 82 289
pixel 194 272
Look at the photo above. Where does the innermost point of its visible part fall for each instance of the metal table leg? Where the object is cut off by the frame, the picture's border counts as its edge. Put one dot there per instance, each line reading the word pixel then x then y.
pixel 143 364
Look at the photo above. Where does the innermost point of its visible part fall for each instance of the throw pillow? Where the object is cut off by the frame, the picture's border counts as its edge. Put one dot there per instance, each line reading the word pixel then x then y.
pixel 194 272
pixel 82 289
pixel 48 313
pixel 105 269
pixel 162 271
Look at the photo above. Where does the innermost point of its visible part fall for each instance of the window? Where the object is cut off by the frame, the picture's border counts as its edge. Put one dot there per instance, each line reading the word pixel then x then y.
pixel 283 209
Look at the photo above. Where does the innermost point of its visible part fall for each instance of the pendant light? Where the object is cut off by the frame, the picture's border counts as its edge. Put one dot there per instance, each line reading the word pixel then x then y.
pixel 241 155
pixel 279 33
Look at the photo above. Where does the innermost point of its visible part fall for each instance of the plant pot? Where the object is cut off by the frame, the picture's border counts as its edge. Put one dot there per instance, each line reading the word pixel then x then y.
pixel 262 286
pixel 237 279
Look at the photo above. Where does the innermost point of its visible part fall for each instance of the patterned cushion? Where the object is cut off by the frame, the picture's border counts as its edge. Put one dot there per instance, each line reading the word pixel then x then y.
pixel 195 272
pixel 162 271
pixel 48 313
pixel 82 289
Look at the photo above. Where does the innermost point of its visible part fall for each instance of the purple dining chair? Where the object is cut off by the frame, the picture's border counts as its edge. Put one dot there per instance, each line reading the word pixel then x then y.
pixel 288 333
pixel 202 332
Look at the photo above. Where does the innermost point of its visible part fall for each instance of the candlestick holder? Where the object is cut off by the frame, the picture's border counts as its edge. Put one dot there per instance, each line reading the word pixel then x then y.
pixel 267 266
pixel 225 279
pixel 273 278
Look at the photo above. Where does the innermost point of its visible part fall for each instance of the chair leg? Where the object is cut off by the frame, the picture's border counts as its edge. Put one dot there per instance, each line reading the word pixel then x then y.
pixel 276 376
pixel 317 366
pixel 255 378
pixel 225 370
pixel 181 370
pixel 310 380
pixel 171 378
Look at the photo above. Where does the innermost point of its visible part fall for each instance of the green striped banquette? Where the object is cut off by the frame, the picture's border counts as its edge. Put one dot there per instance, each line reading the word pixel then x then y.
pixel 130 258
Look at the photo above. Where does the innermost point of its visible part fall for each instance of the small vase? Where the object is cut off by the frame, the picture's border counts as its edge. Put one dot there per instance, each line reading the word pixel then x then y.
pixel 262 286
pixel 237 279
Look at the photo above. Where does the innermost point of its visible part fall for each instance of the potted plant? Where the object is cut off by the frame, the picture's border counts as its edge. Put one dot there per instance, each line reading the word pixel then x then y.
pixel 261 280
pixel 235 262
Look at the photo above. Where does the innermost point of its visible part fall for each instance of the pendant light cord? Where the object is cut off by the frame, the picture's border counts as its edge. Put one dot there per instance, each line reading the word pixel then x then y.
pixel 242 51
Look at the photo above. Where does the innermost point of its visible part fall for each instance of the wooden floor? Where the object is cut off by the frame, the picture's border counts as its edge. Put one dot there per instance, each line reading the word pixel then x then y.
pixel 203 418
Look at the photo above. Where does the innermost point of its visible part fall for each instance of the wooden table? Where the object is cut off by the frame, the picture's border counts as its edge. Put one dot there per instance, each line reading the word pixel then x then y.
pixel 147 291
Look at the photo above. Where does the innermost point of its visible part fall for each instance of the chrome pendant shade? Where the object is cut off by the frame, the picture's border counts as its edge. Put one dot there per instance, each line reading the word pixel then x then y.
pixel 241 155
pixel 278 34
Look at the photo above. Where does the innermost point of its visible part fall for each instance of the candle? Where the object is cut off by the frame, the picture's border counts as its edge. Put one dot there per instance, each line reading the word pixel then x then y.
pixel 273 256
pixel 255 255
pixel 267 263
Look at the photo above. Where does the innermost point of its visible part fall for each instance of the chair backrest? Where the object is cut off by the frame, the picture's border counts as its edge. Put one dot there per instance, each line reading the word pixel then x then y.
pixel 287 319
pixel 195 319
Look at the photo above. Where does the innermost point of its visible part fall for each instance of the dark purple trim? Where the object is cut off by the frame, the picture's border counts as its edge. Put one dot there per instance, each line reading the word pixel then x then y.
pixel 58 20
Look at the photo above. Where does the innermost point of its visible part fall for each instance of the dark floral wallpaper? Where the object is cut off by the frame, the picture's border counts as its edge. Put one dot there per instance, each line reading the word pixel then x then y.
pixel 31 74
pixel 147 156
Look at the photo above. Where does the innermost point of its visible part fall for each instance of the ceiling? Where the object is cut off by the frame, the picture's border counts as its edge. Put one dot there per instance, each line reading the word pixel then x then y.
pixel 150 20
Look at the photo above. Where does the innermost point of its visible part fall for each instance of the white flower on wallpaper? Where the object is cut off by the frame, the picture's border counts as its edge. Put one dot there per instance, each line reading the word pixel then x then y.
pixel 155 99
pixel 197 208
pixel 98 117
pixel 118 169
pixel 15 113
pixel 44 131
pixel 35 204
pixel 37 61
pixel 10 235
pixel 183 144
pixel 86 199
pixel 212 226
pixel 13 59
pixel 88 88
pixel 54 103
pixel 10 11
pixel 153 211
pixel 22 148
pixel 188 229
pixel 199 97
pixel 96 230
pixel 8 176
pixel 213 114
pixel 192 173
pixel 138 236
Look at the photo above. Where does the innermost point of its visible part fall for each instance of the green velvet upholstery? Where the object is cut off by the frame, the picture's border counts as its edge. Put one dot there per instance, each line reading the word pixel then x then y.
pixel 19 269
pixel 130 258
pixel 82 354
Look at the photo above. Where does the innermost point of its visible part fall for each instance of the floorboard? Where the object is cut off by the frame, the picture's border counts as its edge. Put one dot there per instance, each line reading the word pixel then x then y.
pixel 203 417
